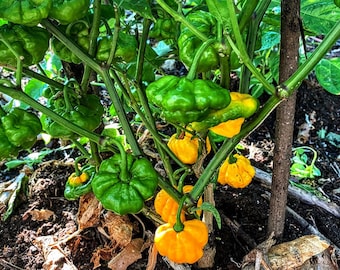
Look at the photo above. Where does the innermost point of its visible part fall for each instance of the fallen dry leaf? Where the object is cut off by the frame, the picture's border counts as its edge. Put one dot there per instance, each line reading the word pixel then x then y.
pixel 294 253
pixel 119 229
pixel 39 215
pixel 89 211
pixel 55 258
pixel 130 254
pixel 104 253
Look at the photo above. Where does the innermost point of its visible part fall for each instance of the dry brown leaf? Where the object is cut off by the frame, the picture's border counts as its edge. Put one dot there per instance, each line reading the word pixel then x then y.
pixel 39 215
pixel 130 254
pixel 55 258
pixel 119 229
pixel 294 253
pixel 152 258
pixel 89 211
pixel 104 253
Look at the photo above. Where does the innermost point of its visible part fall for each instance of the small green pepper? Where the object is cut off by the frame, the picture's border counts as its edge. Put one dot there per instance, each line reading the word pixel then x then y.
pixel 78 185
pixel 164 28
pixel 29 43
pixel 7 149
pixel 125 50
pixel 21 127
pixel 85 112
pixel 67 11
pixel 184 101
pixel 78 32
pixel 124 182
pixel 26 12
pixel 188 43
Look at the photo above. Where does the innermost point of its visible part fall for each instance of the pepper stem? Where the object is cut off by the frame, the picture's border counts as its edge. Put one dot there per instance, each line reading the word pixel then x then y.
pixel 232 159
pixel 179 226
pixel 124 173
pixel 192 72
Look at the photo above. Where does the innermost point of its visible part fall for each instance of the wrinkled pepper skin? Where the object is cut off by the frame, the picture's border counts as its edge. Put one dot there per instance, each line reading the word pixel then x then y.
pixel 241 105
pixel 188 43
pixel 77 186
pixel 87 114
pixel 238 174
pixel 125 196
pixel 7 149
pixel 21 128
pixel 79 33
pixel 26 12
pixel 167 207
pixel 31 43
pixel 125 50
pixel 164 28
pixel 186 147
pixel 184 101
pixel 68 11
pixel 185 246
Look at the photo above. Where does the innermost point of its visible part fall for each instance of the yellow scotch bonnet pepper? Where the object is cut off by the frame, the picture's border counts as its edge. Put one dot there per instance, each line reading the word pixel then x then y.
pixel 185 246
pixel 236 173
pixel 186 147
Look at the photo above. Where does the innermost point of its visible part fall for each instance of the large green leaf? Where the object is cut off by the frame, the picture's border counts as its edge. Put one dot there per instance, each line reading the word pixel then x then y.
pixel 328 74
pixel 141 7
pixel 319 16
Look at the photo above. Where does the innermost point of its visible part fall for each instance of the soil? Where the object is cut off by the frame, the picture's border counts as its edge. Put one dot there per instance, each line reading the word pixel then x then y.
pixel 21 233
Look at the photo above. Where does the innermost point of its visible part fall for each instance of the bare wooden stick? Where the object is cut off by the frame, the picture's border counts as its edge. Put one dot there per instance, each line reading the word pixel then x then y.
pixel 265 179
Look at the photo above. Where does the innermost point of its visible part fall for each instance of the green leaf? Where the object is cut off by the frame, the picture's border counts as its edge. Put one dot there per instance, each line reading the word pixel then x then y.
pixel 333 139
pixel 328 74
pixel 210 208
pixel 219 10
pixel 269 40
pixel 141 7
pixel 35 88
pixel 319 16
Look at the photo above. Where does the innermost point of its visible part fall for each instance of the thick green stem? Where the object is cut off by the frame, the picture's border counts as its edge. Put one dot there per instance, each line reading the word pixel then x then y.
pixel 179 226
pixel 114 36
pixel 192 72
pixel 124 172
pixel 121 113
pixel 19 95
pixel 93 43
pixel 295 80
pixel 241 49
pixel 246 13
pixel 180 18
pixel 251 43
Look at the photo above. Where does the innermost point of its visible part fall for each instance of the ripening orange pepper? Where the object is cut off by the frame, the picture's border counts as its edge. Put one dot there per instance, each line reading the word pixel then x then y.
pixel 185 246
pixel 167 207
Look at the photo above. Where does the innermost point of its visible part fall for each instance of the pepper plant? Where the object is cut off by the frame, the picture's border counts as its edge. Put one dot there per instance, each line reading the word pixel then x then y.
pixel 111 42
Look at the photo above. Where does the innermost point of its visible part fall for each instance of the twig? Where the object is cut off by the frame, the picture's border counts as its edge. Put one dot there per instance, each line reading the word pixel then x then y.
pixel 265 179
pixel 236 229
pixel 9 265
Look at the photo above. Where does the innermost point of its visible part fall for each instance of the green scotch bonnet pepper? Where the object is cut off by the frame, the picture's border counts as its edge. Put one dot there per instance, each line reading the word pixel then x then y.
pixel 124 182
pixel 188 43
pixel 18 130
pixel 184 101
pixel 29 43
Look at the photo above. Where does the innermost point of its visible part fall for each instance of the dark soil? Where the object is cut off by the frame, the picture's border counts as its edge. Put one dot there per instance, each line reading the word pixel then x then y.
pixel 247 207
